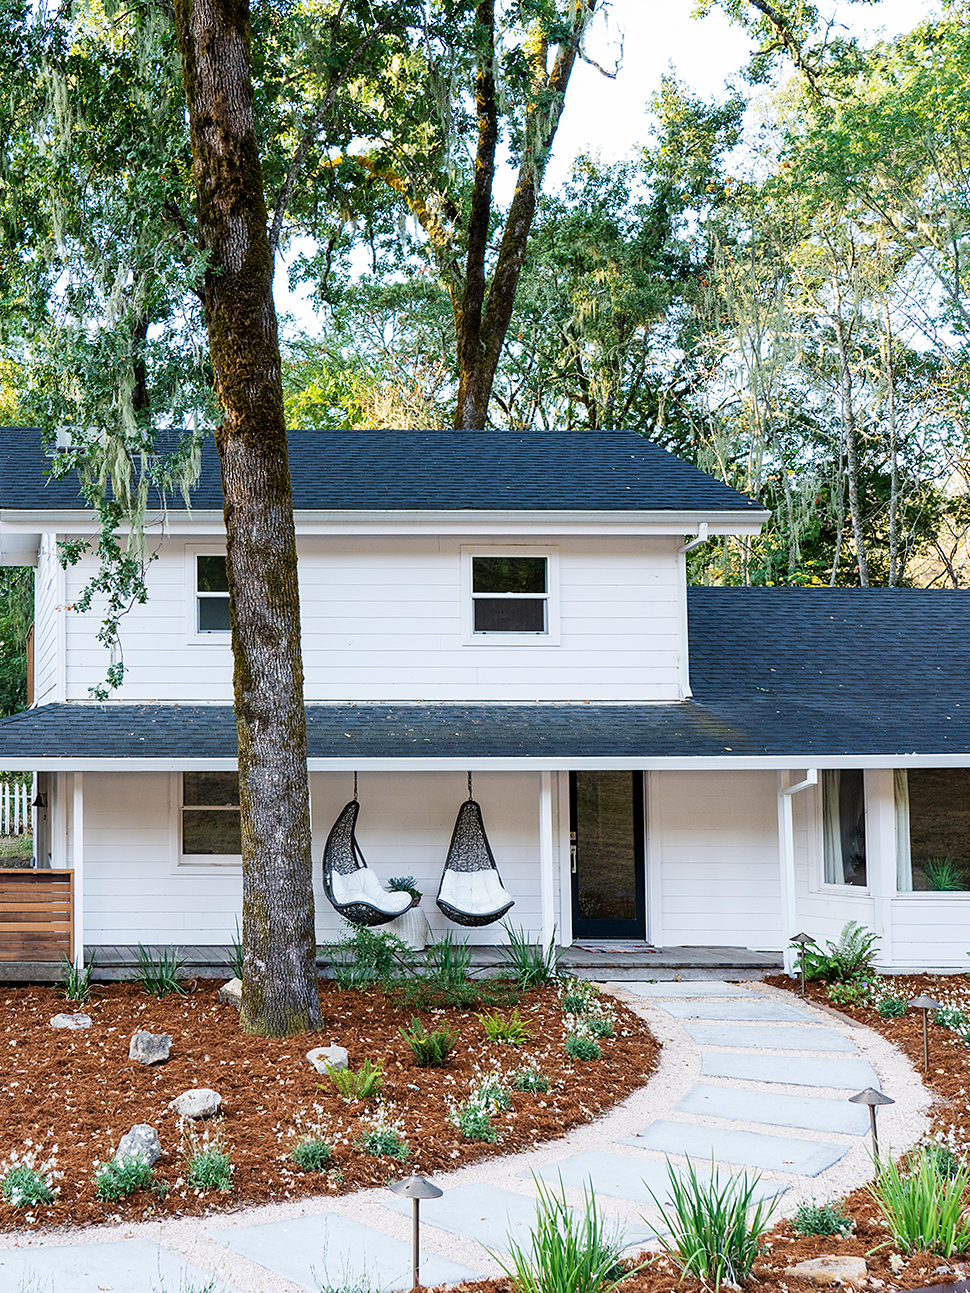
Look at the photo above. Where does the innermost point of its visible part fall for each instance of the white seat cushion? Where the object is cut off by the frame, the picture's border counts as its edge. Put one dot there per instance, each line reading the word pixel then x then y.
pixel 475 892
pixel 363 885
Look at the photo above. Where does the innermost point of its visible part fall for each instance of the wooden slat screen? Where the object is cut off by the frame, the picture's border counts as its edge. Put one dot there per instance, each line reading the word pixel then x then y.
pixel 36 915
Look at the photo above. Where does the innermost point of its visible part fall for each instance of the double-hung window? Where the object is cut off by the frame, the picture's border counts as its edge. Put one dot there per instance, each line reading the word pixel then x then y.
pixel 210 815
pixel 211 594
pixel 511 596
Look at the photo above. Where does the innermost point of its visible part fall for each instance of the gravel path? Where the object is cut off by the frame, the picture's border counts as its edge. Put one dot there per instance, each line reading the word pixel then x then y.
pixel 298 1246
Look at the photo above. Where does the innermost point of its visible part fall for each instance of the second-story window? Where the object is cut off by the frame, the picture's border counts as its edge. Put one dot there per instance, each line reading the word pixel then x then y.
pixel 210 814
pixel 510 594
pixel 212 594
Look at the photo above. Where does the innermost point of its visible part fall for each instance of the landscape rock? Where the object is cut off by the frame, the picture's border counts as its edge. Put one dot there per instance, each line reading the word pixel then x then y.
pixel 202 1102
pixel 72 1022
pixel 141 1143
pixel 830 1270
pixel 150 1048
pixel 328 1057
pixel 230 994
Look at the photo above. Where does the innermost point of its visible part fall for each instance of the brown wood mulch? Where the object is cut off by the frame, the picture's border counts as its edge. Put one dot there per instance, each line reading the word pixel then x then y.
pixel 80 1092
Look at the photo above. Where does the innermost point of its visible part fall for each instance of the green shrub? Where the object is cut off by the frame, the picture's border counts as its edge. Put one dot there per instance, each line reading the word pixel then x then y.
pixel 570 1250
pixel 582 1048
pixel 383 1138
pixel 851 957
pixel 858 993
pixel 208 1162
pixel 892 1007
pixel 159 975
pixel 715 1230
pixel 311 1153
pixel 531 964
pixel 431 1050
pixel 475 1123
pixel 924 1209
pixel 598 1026
pixel 499 1028
pixel 76 980
pixel 945 1162
pixel 363 1084
pixel 27 1180
pixel 114 1180
pixel 366 957
pixel 822 1219
pixel 529 1079
pixel 950 1017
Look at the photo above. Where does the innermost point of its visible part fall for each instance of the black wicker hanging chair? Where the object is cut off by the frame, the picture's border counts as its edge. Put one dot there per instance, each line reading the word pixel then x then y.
pixel 352 887
pixel 471 890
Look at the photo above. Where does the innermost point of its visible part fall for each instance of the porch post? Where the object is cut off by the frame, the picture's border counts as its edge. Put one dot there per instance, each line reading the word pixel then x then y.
pixel 77 862
pixel 786 854
pixel 546 873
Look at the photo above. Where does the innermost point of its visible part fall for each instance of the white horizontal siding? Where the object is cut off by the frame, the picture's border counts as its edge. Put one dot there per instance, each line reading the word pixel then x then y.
pixel 135 891
pixel 46 623
pixel 713 838
pixel 931 931
pixel 382 619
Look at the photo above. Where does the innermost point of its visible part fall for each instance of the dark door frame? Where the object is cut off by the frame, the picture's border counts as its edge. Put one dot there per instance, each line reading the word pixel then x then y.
pixel 584 927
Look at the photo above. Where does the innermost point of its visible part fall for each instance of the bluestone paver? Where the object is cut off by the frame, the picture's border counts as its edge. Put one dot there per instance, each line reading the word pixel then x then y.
pixel 676 989
pixel 808 1112
pixel 769 1037
pixel 624 1176
pixel 744 1148
pixel 746 1012
pixel 128 1265
pixel 848 1073
pixel 492 1216
pixel 336 1251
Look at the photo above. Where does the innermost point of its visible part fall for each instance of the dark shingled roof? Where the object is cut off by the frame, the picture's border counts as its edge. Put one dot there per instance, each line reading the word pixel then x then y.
pixel 776 672
pixel 431 470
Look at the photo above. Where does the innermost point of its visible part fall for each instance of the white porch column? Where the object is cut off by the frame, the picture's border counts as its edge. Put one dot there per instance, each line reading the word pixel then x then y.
pixel 77 862
pixel 546 869
pixel 786 855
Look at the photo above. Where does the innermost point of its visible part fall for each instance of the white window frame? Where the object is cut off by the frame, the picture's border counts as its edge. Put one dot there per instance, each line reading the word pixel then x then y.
pixel 193 861
pixel 551 637
pixel 216 637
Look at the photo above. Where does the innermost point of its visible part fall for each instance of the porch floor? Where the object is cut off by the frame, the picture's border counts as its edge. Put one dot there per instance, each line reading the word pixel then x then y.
pixel 624 961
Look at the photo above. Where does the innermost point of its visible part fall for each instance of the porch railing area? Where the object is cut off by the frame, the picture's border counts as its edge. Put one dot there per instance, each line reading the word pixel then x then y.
pixel 36 915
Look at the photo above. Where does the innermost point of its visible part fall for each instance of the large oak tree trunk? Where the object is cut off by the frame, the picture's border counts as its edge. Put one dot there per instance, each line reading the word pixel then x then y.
pixel 279 986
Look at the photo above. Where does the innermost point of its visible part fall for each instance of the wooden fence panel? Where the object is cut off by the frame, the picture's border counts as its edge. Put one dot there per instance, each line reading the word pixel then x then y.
pixel 36 915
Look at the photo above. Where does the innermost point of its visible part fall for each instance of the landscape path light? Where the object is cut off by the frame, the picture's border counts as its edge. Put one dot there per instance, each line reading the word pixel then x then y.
pixel 925 1004
pixel 803 941
pixel 873 1099
pixel 415 1188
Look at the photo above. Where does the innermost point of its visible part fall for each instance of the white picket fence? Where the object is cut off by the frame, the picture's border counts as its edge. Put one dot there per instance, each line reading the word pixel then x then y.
pixel 14 808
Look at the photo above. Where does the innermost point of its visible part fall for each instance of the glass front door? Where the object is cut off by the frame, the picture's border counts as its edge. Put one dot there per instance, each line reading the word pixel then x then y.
pixel 606 855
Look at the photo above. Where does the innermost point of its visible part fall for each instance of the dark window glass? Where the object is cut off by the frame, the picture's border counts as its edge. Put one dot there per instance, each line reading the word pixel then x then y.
pixel 844 807
pixel 508 574
pixel 509 615
pixel 211 831
pixel 210 789
pixel 939 827
pixel 213 577
pixel 606 849
pixel 213 614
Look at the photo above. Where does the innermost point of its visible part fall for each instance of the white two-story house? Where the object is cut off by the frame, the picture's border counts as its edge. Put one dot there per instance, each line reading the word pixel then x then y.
pixel 713 767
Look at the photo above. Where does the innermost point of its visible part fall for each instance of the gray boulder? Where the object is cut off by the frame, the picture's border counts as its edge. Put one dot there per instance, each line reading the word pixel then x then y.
pixel 141 1143
pixel 328 1057
pixel 230 994
pixel 72 1022
pixel 830 1270
pixel 150 1048
pixel 202 1102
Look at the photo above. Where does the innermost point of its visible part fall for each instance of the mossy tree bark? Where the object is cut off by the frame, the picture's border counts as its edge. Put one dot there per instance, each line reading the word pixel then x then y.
pixel 279 986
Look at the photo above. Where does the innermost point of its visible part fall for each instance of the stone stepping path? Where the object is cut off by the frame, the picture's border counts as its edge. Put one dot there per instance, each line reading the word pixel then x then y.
pixel 336 1252
pixel 132 1265
pixel 808 1113
pixel 744 1042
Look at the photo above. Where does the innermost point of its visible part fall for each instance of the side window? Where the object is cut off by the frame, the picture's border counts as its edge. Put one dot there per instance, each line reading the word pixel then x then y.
pixel 211 595
pixel 844 826
pixel 210 814
pixel 510 595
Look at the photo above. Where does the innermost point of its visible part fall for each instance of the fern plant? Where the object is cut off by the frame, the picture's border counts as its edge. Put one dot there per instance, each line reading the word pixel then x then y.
pixel 361 1084
pixel 431 1050
pixel 850 958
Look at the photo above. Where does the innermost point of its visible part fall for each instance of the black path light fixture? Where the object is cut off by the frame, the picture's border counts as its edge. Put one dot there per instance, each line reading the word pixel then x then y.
pixel 873 1099
pixel 803 941
pixel 415 1188
pixel 926 1004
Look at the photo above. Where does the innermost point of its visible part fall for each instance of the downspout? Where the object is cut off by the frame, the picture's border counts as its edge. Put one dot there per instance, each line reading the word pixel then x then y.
pixel 684 661
pixel 786 852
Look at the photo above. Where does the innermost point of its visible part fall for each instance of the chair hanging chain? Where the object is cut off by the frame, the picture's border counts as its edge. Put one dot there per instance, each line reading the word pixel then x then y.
pixel 355 786
pixel 470 795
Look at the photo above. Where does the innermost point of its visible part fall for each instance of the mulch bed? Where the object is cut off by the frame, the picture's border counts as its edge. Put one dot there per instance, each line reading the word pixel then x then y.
pixel 80 1092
